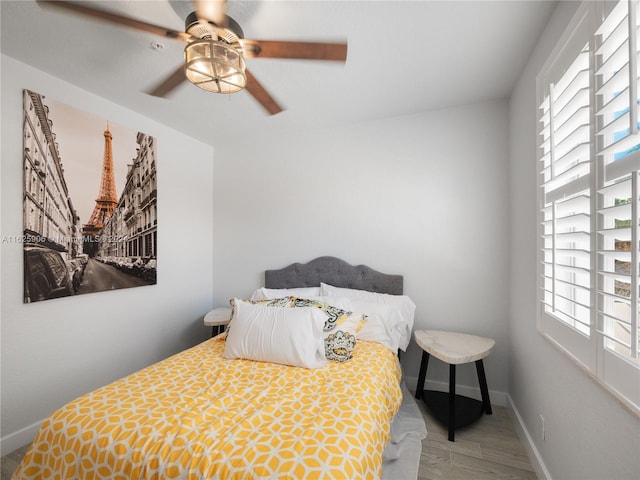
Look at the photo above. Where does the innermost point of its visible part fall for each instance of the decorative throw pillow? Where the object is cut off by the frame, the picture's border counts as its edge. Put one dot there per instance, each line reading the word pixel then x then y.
pixel 339 346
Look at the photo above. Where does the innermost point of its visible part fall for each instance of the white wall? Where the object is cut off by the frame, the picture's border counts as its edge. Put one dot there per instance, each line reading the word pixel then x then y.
pixel 55 350
pixel 424 196
pixel 589 434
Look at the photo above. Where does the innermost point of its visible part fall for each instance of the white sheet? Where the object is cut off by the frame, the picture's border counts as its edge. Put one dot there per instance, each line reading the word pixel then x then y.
pixel 401 457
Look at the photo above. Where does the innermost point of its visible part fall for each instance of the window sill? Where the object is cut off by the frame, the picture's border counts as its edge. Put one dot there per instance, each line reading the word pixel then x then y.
pixel 629 405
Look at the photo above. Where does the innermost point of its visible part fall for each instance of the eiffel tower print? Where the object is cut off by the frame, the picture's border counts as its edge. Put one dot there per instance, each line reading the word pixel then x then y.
pixel 107 199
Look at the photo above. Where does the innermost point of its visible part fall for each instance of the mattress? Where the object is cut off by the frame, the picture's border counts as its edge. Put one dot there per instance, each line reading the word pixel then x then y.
pixel 198 415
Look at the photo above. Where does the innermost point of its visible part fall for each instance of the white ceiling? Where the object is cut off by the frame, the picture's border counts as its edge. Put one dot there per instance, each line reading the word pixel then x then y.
pixel 403 57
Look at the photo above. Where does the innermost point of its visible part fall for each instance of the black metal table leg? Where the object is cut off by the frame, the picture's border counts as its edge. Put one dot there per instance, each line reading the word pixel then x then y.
pixel 423 373
pixel 217 330
pixel 452 401
pixel 482 380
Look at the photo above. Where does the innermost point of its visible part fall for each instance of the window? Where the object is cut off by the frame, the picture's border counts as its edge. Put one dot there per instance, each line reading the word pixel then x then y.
pixel 589 195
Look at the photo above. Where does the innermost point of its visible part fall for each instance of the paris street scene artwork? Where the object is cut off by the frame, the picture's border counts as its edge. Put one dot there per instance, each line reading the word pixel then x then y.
pixel 89 204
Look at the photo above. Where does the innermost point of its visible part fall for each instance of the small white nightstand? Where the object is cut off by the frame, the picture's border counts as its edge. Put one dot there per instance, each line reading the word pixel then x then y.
pixel 217 319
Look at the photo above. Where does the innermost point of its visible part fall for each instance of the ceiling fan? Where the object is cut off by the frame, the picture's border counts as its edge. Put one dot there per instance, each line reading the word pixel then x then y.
pixel 215 49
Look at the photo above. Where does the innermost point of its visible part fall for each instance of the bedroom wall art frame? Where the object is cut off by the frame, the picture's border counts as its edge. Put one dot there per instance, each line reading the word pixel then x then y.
pixel 89 203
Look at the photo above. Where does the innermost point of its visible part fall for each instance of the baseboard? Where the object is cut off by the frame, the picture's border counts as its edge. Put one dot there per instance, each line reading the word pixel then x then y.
pixel 496 397
pixel 527 440
pixel 18 439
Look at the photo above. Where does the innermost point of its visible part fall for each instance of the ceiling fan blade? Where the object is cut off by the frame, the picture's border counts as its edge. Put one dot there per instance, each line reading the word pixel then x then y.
pixel 300 50
pixel 212 10
pixel 257 91
pixel 114 18
pixel 169 83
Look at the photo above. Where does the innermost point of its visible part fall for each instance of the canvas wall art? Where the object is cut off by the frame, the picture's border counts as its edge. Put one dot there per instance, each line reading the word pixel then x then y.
pixel 89 204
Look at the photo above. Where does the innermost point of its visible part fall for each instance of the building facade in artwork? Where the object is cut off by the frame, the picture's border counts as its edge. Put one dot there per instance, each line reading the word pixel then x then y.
pixel 49 217
pixel 131 230
pixel 106 201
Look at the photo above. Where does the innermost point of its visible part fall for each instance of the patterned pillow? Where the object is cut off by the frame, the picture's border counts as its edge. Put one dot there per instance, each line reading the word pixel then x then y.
pixel 340 326
pixel 339 346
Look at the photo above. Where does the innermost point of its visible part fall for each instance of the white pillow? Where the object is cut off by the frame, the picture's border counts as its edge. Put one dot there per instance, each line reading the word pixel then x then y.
pixel 402 302
pixel 271 293
pixel 289 336
pixel 385 324
pixel 340 326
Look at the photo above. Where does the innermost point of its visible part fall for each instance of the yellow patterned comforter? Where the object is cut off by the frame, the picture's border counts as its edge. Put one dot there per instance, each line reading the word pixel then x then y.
pixel 197 415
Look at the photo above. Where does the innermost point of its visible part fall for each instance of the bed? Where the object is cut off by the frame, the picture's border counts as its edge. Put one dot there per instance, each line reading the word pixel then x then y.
pixel 209 412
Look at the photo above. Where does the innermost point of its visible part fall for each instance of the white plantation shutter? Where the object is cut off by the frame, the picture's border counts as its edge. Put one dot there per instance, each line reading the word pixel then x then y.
pixel 565 195
pixel 566 168
pixel 589 184
pixel 618 156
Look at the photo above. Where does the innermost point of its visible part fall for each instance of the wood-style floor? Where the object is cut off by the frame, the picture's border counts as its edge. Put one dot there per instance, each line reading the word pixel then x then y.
pixel 11 461
pixel 487 450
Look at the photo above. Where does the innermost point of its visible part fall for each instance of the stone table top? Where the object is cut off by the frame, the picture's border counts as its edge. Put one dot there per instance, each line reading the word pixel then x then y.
pixel 218 316
pixel 453 347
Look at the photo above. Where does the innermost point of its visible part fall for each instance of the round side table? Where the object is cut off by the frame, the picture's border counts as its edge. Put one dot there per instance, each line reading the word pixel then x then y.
pixel 450 409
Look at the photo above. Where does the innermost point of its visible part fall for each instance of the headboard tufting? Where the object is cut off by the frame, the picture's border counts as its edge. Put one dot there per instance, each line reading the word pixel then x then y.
pixel 336 272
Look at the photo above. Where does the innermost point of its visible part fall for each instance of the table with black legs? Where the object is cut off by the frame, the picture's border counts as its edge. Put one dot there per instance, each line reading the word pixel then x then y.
pixel 217 319
pixel 450 409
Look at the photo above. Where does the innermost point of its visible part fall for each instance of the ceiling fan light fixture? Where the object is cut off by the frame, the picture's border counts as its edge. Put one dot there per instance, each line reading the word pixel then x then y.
pixel 215 66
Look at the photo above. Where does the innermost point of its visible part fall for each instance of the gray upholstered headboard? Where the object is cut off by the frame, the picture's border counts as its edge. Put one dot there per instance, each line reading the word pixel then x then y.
pixel 335 272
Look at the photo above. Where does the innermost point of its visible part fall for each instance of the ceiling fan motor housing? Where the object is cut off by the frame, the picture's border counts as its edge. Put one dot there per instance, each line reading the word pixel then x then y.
pixel 230 33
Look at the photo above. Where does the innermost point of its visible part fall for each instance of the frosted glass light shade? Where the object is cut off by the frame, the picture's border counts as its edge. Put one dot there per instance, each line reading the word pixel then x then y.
pixel 215 66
